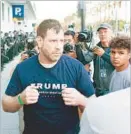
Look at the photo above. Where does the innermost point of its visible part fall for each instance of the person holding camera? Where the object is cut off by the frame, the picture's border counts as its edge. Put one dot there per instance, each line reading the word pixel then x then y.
pixel 31 45
pixel 24 56
pixel 69 44
pixel 73 49
pixel 31 49
pixel 102 64
pixel 69 50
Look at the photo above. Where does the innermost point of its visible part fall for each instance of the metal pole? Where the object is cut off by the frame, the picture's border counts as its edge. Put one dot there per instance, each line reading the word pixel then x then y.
pixel 82 13
pixel 116 23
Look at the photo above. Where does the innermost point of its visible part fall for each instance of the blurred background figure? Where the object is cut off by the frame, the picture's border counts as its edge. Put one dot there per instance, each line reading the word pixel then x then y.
pixel 108 114
pixel 70 50
pixel 102 64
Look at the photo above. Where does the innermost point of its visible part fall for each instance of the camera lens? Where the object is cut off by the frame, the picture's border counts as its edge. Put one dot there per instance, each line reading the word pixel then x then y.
pixel 82 37
pixel 68 48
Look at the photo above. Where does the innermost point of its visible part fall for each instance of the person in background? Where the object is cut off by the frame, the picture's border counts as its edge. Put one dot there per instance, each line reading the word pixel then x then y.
pixel 120 55
pixel 73 49
pixel 69 50
pixel 69 37
pixel 102 64
pixel 69 44
pixel 31 45
pixel 24 55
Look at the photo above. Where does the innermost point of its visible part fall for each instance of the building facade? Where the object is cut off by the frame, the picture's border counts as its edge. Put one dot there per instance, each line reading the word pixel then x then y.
pixel 8 23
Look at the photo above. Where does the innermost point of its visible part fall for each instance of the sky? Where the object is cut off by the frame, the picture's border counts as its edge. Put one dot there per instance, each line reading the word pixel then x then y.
pixel 55 9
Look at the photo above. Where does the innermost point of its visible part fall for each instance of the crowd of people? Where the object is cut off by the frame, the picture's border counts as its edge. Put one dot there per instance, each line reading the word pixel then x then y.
pixel 13 43
pixel 53 84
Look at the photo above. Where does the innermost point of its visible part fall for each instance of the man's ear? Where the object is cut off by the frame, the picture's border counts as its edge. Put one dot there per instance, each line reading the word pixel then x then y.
pixel 39 41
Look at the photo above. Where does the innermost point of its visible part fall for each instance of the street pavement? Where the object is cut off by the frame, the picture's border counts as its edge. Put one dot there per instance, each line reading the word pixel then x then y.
pixel 9 121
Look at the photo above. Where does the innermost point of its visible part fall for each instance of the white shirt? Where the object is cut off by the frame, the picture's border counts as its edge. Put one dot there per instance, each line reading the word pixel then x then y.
pixel 109 114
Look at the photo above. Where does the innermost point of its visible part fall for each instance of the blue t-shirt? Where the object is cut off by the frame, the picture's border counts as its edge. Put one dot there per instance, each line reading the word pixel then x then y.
pixel 50 115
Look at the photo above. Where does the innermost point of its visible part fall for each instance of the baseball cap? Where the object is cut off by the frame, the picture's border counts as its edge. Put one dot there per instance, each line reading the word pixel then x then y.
pixel 104 25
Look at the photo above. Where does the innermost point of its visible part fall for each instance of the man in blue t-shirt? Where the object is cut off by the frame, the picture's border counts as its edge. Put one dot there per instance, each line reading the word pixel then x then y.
pixel 49 86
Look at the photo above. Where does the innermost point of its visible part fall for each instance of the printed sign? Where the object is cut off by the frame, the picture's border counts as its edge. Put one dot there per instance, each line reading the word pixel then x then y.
pixel 18 11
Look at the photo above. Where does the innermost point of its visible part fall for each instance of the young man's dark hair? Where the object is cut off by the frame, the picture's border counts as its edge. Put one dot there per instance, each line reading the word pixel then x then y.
pixel 121 42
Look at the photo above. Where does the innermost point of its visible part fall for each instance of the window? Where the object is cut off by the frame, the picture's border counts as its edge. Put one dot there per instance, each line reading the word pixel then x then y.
pixel 3 11
pixel 8 14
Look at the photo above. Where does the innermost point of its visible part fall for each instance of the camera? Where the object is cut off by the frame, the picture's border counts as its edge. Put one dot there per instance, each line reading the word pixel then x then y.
pixel 85 36
pixel 71 27
pixel 87 44
pixel 86 40
pixel 68 48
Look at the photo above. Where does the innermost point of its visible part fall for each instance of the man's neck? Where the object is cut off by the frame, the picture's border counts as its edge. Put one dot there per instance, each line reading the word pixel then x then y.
pixel 105 44
pixel 48 65
pixel 45 63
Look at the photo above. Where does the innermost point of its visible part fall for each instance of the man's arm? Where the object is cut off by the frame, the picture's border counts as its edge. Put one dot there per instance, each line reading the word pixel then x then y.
pixel 28 96
pixel 106 57
pixel 10 104
pixel 72 97
pixel 103 54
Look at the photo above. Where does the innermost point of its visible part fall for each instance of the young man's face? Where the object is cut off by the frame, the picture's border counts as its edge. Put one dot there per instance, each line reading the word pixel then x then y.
pixel 51 47
pixel 120 57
